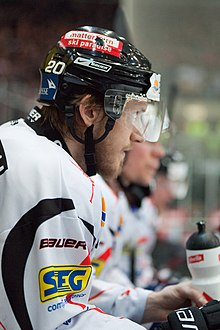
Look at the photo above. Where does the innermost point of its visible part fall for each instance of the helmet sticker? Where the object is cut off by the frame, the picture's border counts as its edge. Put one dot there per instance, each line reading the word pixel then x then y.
pixel 153 92
pixel 48 86
pixel 92 64
pixel 92 41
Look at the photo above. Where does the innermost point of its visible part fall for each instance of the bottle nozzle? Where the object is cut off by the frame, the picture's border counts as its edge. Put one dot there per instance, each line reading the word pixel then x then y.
pixel 201 226
pixel 202 240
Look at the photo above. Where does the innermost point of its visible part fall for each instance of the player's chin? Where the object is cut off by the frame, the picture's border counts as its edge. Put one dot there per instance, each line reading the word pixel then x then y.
pixel 117 169
pixel 144 180
pixel 111 171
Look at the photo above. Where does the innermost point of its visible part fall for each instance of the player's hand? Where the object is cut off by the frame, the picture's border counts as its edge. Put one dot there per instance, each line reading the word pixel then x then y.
pixel 160 304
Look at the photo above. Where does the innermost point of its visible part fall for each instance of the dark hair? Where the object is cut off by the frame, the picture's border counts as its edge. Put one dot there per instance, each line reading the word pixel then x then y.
pixel 57 118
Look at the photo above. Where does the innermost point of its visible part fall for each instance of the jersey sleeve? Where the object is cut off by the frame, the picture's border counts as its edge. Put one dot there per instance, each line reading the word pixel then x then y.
pixel 119 300
pixel 97 319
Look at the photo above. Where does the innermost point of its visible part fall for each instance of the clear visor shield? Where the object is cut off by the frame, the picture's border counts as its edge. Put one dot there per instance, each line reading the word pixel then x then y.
pixel 137 112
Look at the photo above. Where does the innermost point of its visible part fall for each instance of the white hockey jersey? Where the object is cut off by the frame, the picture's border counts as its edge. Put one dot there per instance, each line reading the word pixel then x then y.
pixel 108 254
pixel 145 223
pixel 107 258
pixel 51 217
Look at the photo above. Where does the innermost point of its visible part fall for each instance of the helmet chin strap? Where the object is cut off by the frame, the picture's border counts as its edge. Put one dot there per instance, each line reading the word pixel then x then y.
pixel 89 141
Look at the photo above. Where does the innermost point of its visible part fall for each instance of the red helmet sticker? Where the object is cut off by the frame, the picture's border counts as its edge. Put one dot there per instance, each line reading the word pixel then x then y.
pixel 92 41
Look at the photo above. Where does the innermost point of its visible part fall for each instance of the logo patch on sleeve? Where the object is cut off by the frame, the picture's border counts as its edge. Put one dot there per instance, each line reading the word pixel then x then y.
pixel 58 281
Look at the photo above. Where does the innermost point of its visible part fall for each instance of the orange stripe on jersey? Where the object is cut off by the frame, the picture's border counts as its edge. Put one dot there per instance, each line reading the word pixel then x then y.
pixel 119 226
pixel 103 212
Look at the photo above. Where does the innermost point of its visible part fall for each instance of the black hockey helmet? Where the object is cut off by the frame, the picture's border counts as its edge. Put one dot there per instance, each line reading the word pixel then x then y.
pixel 91 59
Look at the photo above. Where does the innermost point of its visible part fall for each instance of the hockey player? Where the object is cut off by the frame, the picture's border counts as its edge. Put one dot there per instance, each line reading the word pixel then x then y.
pixel 95 91
pixel 140 167
pixel 169 183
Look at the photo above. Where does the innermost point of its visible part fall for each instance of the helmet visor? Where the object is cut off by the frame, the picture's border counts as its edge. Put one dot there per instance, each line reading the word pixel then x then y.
pixel 144 115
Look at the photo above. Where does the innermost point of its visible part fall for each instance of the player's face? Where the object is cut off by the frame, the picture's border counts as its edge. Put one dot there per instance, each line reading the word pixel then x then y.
pixel 111 152
pixel 142 162
pixel 163 193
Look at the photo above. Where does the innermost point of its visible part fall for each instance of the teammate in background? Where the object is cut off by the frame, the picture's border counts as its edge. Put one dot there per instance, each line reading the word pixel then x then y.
pixel 213 223
pixel 133 219
pixel 99 96
pixel 170 184
pixel 140 166
pixel 140 208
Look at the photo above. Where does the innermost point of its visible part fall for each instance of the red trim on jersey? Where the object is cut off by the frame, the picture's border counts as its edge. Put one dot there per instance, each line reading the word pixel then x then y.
pixel 126 293
pixel 105 255
pixel 1 325
pixel 101 311
pixel 92 182
pixel 99 294
pixel 143 240
pixel 86 261
pixel 68 299
pixel 98 310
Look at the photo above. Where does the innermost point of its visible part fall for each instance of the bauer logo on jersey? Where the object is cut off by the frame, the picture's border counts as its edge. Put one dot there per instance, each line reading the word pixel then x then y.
pixel 58 281
pixel 48 86
pixel 33 115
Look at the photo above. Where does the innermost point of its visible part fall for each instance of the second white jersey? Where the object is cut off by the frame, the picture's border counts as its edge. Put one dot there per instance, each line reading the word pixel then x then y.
pixel 129 300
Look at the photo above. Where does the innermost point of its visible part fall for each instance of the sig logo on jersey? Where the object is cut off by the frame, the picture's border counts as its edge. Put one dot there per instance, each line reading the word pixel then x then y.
pixel 60 280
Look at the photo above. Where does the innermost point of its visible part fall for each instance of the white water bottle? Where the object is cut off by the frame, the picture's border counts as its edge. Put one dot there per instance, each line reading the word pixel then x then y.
pixel 203 261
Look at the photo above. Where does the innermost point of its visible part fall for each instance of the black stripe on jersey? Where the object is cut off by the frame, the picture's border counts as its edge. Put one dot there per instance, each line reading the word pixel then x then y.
pixel 3 161
pixel 90 228
pixel 17 248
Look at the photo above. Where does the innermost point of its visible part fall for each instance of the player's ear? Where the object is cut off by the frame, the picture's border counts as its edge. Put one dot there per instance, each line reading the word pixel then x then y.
pixel 90 112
